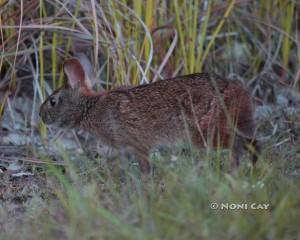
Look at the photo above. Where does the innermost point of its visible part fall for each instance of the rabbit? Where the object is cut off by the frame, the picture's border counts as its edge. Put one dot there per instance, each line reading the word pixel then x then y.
pixel 207 111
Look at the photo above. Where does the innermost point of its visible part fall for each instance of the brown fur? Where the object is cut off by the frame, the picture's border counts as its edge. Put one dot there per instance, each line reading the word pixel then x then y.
pixel 208 112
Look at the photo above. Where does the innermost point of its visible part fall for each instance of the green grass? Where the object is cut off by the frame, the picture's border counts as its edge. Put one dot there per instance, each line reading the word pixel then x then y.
pixel 174 203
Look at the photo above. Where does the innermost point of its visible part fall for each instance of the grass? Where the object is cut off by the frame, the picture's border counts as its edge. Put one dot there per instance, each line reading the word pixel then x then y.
pixel 130 42
pixel 175 203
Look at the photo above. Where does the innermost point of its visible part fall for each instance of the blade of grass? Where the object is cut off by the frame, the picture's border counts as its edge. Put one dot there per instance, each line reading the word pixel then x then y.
pixel 216 32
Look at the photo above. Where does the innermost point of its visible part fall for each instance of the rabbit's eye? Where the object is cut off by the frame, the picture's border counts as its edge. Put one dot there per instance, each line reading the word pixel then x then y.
pixel 52 101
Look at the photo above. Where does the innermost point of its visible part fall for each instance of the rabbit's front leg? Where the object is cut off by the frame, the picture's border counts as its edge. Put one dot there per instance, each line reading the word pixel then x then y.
pixel 141 154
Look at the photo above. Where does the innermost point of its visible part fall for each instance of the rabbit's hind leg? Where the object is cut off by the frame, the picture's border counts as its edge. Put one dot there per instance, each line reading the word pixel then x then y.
pixel 236 151
pixel 251 145
pixel 254 149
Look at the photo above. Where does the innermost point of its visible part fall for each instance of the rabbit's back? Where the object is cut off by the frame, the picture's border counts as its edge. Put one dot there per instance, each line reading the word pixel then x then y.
pixel 172 109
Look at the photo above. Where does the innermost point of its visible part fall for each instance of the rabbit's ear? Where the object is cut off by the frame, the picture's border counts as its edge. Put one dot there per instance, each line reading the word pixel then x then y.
pixel 75 74
pixel 88 69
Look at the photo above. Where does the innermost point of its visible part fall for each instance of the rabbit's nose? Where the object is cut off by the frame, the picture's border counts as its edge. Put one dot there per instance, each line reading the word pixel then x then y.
pixel 42 112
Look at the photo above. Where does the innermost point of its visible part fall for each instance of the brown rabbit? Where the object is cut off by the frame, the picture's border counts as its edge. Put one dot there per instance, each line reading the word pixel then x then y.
pixel 208 112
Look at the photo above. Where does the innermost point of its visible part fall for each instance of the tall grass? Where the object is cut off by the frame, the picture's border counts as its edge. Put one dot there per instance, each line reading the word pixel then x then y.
pixel 120 31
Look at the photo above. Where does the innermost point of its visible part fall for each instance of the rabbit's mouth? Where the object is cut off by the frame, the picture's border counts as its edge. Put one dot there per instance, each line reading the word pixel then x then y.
pixel 46 118
pixel 52 121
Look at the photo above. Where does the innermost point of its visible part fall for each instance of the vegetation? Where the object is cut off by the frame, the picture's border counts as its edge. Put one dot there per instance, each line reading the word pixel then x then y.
pixel 63 185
